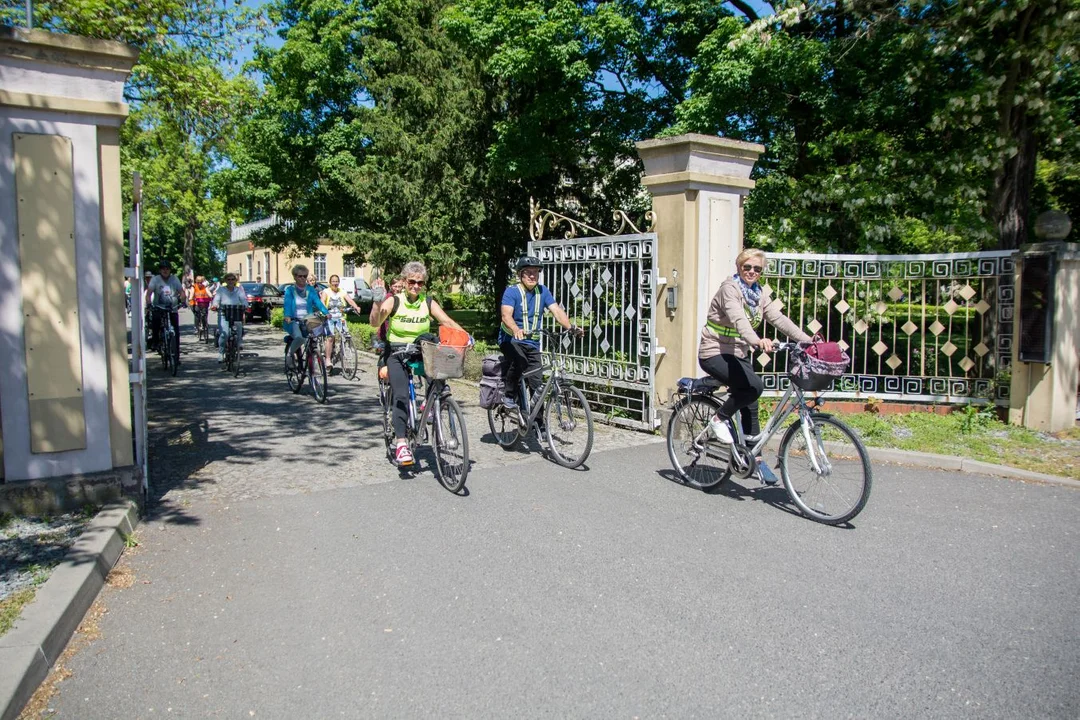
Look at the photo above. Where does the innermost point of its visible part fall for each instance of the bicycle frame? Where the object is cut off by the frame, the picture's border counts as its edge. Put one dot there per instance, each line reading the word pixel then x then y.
pixel 541 394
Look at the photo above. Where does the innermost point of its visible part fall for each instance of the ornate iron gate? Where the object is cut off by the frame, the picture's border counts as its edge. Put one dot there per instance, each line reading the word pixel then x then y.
pixel 607 285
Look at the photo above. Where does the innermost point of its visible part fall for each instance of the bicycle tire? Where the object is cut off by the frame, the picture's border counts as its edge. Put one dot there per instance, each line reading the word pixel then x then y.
pixel 317 374
pixel 350 358
pixel 450 441
pixel 504 426
pixel 174 351
pixel 565 410
pixel 386 400
pixel 235 357
pixel 294 375
pixel 841 493
pixel 695 465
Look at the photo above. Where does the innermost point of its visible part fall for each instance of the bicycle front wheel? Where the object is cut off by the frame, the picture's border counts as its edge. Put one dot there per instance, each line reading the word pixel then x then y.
pixel 699 461
pixel 174 353
pixel 451 443
pixel 235 358
pixel 317 374
pixel 838 488
pixel 350 358
pixel 569 426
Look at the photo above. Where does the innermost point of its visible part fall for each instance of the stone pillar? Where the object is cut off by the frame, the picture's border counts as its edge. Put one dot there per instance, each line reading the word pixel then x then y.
pixel 698 183
pixel 1042 396
pixel 64 392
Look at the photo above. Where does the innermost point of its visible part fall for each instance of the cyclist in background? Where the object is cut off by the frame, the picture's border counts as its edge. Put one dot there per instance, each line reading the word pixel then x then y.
pixel 164 295
pixel 522 309
pixel 335 299
pixel 300 301
pixel 200 299
pixel 408 316
pixel 228 294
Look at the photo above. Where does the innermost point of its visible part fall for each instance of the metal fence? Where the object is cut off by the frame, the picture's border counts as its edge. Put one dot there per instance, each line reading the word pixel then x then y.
pixel 607 285
pixel 926 327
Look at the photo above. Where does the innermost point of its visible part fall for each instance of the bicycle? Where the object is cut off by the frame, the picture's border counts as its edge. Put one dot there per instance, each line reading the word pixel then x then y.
pixel 564 408
pixel 202 325
pixel 438 418
pixel 234 316
pixel 169 343
pixel 823 465
pixel 308 360
pixel 344 354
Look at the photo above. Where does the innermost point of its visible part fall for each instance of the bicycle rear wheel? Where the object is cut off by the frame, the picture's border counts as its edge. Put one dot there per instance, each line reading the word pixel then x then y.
pixel 317 373
pixel 294 372
pixel 839 489
pixel 350 358
pixel 569 426
pixel 505 425
pixel 451 443
pixel 235 356
pixel 700 461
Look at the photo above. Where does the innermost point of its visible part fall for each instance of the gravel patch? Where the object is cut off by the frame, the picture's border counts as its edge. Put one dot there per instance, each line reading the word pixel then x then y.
pixel 31 547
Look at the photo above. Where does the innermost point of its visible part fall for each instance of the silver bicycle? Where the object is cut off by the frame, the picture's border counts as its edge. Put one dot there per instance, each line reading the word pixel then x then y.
pixel 823 464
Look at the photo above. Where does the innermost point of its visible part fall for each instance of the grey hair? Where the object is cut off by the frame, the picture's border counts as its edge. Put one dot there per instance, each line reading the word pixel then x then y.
pixel 299 269
pixel 414 268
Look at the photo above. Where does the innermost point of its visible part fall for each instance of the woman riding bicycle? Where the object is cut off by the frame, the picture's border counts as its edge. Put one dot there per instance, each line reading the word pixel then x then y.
pixel 300 301
pixel 408 315
pixel 730 337
pixel 228 294
pixel 200 299
pixel 335 299
pixel 522 308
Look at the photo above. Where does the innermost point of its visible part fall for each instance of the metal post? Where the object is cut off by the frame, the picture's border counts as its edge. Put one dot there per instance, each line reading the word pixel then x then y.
pixel 138 335
pixel 29 14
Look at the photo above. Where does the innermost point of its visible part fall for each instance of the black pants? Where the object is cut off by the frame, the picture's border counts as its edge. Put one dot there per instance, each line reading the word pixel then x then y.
pixel 520 359
pixel 158 316
pixel 399 387
pixel 744 388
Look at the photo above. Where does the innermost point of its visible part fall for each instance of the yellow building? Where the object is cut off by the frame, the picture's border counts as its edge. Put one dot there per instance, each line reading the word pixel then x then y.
pixel 253 263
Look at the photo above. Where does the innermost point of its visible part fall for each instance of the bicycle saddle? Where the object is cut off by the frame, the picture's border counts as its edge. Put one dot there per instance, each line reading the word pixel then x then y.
pixel 699 386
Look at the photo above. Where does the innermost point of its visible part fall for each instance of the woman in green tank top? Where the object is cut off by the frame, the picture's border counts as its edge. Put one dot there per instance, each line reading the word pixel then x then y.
pixel 409 314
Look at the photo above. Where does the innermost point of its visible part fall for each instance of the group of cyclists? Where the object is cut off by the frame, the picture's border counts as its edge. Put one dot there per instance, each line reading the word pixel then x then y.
pixel 727 342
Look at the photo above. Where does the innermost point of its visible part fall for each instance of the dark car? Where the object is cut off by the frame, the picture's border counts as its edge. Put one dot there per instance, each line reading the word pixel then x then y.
pixel 262 299
pixel 319 287
pixel 363 295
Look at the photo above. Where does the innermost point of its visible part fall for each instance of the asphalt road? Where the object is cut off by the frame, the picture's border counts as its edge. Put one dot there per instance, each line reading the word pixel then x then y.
pixel 612 592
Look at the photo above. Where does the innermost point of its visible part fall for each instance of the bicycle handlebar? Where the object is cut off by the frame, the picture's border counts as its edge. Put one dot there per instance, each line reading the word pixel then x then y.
pixel 551 334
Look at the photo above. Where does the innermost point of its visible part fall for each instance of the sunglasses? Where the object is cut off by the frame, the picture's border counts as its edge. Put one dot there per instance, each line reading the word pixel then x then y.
pixel 417 283
pixel 752 268
pixel 300 277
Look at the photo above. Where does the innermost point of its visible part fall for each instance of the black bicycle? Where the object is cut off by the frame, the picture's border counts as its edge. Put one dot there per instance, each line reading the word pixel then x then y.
pixel 168 342
pixel 308 362
pixel 437 418
pixel 567 423
pixel 202 322
pixel 234 316
pixel 824 466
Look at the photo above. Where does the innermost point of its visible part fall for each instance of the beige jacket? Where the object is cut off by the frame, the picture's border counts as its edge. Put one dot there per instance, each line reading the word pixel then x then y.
pixel 728 303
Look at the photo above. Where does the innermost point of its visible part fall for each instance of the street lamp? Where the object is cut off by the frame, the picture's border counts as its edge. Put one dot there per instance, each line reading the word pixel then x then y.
pixel 1052 225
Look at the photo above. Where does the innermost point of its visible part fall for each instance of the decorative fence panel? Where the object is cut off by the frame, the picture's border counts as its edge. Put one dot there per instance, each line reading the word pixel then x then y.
pixel 607 285
pixel 926 327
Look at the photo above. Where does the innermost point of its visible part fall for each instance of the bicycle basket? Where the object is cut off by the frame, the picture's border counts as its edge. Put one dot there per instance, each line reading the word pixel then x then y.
pixel 232 313
pixel 315 325
pixel 443 361
pixel 812 373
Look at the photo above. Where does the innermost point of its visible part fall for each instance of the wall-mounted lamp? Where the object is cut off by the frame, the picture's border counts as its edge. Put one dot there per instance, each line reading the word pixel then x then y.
pixel 671 302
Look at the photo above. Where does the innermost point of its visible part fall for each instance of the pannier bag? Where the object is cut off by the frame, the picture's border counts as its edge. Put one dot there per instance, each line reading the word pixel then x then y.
pixel 491 381
pixel 817 364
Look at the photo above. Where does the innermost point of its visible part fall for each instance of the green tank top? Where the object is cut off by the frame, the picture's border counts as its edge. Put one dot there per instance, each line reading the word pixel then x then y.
pixel 410 321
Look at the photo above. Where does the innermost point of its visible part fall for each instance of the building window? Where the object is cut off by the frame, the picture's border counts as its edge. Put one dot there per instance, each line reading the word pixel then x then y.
pixel 320 266
pixel 349 269
pixel 250 263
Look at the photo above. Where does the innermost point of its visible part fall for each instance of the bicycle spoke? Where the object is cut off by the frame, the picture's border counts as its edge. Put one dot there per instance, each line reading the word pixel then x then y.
pixel 689 445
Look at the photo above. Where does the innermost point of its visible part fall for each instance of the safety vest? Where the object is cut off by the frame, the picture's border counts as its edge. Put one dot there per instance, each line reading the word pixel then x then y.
pixel 410 321
pixel 525 313
pixel 335 302
pixel 201 293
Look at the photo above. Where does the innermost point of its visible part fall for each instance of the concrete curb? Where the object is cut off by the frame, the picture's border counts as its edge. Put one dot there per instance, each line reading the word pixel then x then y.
pixel 30 649
pixel 949 462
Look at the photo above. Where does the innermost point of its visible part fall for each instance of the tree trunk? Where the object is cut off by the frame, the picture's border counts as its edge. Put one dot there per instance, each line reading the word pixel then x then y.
pixel 1013 184
pixel 189 248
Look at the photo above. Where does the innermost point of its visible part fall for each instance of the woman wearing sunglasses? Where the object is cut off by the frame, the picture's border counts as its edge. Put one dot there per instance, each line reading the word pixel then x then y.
pixel 408 315
pixel 730 337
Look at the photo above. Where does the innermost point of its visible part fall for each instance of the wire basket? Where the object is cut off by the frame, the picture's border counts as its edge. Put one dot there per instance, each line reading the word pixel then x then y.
pixel 442 361
pixel 232 313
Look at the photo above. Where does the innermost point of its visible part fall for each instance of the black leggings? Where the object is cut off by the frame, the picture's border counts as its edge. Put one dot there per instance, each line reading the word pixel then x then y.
pixel 520 359
pixel 744 388
pixel 399 385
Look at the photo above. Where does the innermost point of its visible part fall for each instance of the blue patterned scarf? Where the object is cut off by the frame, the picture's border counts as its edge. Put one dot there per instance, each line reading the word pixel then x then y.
pixel 751 293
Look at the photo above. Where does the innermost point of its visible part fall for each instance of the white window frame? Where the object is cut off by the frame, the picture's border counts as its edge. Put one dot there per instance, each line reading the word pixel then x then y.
pixel 319 267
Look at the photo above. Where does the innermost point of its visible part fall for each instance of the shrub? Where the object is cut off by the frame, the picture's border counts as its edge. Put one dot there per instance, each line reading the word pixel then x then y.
pixel 277 317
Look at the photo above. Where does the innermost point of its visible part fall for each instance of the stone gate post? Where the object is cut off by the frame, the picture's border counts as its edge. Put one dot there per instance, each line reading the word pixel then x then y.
pixel 698 183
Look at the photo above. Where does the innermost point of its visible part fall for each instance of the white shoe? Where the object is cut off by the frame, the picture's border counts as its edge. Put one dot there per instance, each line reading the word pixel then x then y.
pixel 719 429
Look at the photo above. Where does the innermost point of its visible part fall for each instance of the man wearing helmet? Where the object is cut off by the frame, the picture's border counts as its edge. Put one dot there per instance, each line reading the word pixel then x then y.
pixel 164 295
pixel 522 309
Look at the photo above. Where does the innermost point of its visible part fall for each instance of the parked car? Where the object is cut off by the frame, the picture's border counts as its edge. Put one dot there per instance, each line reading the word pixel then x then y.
pixel 319 287
pixel 262 299
pixel 362 293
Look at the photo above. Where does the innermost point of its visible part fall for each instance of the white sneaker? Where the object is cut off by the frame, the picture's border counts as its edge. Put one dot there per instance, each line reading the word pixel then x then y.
pixel 719 429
